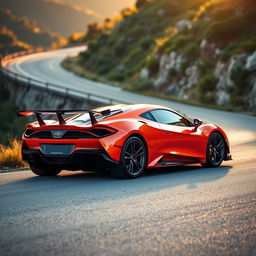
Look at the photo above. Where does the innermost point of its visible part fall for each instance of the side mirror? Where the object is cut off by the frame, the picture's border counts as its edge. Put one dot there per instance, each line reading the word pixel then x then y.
pixel 197 122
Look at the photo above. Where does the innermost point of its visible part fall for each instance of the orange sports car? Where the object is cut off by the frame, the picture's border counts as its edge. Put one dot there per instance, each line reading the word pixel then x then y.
pixel 125 139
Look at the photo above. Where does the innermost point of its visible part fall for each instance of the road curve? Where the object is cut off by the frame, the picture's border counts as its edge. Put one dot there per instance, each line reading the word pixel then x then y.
pixel 176 211
pixel 45 66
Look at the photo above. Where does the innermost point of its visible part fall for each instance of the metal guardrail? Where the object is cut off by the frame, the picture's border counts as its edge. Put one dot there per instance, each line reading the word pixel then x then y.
pixel 28 81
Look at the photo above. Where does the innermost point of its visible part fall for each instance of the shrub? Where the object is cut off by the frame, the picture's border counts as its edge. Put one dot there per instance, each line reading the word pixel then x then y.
pixel 172 72
pixel 207 99
pixel 239 75
pixel 191 51
pixel 93 46
pixel 225 31
pixel 146 43
pixel 116 76
pixel 133 57
pixel 10 156
pixel 182 40
pixel 10 125
pixel 119 49
pixel 237 102
pixel 178 42
pixel 207 83
pixel 227 53
pixel 153 66
pixel 102 65
pixel 184 65
pixel 205 66
pixel 248 45
pixel 143 85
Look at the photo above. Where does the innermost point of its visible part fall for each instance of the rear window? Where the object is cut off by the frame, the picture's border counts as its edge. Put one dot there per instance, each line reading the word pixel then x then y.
pixel 85 118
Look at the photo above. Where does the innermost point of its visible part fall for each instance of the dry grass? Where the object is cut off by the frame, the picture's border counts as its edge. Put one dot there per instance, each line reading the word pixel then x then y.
pixel 10 156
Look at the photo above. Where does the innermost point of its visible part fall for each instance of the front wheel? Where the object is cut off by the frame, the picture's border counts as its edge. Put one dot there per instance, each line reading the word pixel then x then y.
pixel 215 151
pixel 133 159
pixel 44 171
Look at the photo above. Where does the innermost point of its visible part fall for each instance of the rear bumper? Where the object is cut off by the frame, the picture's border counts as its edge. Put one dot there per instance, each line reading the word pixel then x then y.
pixel 78 160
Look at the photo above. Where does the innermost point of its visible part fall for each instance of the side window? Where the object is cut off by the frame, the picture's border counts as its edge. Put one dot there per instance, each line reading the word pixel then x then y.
pixel 168 117
pixel 148 115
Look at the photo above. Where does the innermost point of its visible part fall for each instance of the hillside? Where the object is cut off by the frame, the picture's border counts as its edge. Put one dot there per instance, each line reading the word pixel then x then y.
pixel 197 51
pixel 50 15
pixel 99 8
pixel 25 30
pixel 9 42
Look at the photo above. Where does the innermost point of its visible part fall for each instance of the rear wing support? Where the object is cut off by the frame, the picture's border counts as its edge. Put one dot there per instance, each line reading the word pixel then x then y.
pixel 59 113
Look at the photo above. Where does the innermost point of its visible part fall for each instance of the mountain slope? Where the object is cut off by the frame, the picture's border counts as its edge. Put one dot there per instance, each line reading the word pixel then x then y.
pixel 198 51
pixel 50 16
pixel 25 30
pixel 133 38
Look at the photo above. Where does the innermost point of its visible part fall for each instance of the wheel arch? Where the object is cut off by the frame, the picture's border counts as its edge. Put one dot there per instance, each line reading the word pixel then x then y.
pixel 224 137
pixel 138 135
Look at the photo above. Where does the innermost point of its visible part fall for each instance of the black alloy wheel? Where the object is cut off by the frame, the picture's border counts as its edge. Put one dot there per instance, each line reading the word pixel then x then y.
pixel 215 151
pixel 133 159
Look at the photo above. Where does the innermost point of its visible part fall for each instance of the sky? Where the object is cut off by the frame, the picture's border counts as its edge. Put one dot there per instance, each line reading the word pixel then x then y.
pixel 101 8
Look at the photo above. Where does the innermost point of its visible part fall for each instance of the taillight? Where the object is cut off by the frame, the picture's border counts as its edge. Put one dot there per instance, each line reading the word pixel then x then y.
pixel 102 131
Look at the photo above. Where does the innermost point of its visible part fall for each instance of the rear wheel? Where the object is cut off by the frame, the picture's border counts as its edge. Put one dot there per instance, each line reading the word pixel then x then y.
pixel 44 171
pixel 133 159
pixel 215 151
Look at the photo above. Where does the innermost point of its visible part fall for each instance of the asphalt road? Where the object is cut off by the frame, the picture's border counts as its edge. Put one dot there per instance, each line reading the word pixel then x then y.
pixel 175 211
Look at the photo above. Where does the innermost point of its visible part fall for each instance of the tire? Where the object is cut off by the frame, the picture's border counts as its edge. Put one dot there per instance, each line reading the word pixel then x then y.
pixel 133 159
pixel 44 171
pixel 215 151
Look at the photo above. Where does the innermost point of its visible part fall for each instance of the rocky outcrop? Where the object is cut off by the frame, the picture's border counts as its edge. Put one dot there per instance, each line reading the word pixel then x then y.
pixel 182 24
pixel 173 89
pixel 160 81
pixel 144 73
pixel 207 49
pixel 251 62
pixel 174 80
pixel 223 98
pixel 252 97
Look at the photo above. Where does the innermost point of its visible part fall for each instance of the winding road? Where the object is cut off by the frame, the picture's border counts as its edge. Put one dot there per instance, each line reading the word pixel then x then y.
pixel 175 211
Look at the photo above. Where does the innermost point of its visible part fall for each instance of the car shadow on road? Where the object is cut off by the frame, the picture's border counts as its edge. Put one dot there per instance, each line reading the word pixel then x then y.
pixel 192 176
pixel 80 188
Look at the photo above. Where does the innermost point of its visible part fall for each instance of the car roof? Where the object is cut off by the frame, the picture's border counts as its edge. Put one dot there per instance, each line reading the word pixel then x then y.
pixel 127 107
pixel 133 110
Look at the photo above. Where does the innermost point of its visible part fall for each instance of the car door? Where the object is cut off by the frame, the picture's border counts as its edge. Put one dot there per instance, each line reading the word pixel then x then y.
pixel 180 141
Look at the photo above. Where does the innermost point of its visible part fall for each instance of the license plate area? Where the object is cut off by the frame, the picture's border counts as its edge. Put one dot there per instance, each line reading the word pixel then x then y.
pixel 57 149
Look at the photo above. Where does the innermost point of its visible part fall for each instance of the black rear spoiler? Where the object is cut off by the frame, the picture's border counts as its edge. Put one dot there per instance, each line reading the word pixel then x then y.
pixel 59 113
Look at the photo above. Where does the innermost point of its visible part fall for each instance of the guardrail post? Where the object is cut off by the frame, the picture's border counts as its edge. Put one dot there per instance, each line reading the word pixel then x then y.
pixel 67 90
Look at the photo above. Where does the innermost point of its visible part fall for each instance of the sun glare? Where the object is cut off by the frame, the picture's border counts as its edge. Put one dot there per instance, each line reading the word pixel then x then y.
pixel 204 7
